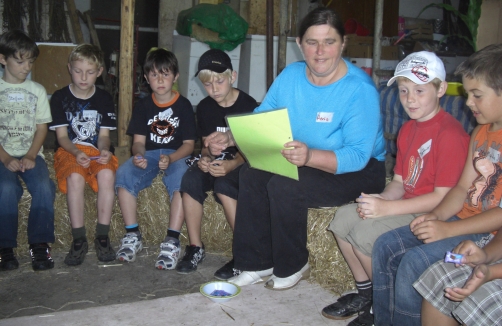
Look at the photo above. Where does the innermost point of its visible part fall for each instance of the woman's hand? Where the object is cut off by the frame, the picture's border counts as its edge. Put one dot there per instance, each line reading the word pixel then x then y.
pixel 218 141
pixel 164 161
pixel 297 153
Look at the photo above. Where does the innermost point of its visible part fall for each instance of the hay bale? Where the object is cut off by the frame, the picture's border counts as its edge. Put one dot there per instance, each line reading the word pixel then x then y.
pixel 328 267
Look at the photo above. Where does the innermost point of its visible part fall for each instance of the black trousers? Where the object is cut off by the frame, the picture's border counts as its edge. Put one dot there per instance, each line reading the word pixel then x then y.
pixel 271 220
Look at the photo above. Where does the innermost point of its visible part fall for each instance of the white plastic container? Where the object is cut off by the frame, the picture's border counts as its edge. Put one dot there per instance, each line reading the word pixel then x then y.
pixel 253 64
pixel 188 51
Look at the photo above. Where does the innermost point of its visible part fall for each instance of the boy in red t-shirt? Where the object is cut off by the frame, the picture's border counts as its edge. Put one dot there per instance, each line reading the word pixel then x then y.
pixel 432 148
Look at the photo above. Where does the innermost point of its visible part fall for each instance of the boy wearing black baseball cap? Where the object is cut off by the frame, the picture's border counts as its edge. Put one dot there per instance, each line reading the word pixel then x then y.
pixel 219 174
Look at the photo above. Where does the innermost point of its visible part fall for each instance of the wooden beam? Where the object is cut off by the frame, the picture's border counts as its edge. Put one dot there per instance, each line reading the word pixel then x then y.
pixel 126 70
pixel 95 41
pixel 75 23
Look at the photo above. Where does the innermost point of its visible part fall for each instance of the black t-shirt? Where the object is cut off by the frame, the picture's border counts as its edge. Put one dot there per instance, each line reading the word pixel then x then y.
pixel 83 117
pixel 166 125
pixel 211 116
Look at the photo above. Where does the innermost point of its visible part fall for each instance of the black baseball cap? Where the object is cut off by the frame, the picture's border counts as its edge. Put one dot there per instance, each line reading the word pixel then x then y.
pixel 214 60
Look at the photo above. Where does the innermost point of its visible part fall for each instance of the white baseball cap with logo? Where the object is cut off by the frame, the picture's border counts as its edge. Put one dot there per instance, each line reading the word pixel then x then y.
pixel 420 67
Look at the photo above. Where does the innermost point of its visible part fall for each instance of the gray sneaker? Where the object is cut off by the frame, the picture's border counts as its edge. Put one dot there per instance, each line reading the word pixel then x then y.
pixel 130 245
pixel 169 254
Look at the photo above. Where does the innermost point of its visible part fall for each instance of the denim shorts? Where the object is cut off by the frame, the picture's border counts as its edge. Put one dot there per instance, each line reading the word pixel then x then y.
pixel 134 179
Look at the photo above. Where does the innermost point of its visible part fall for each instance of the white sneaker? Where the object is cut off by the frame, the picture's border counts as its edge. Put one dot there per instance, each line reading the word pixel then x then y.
pixel 169 254
pixel 284 283
pixel 130 245
pixel 247 278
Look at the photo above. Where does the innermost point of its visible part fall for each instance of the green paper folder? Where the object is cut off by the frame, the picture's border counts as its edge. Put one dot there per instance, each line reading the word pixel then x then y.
pixel 261 136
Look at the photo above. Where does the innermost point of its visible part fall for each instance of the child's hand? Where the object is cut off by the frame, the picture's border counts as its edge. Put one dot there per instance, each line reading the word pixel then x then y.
pixel 13 165
pixel 422 218
pixel 371 206
pixel 82 159
pixel 473 255
pixel 104 157
pixel 27 163
pixel 203 163
pixel 139 161
pixel 296 153
pixel 164 161
pixel 480 275
pixel 430 231
pixel 219 168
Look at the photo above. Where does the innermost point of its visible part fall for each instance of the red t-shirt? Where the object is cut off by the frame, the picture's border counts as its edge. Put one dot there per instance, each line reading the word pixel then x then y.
pixel 431 154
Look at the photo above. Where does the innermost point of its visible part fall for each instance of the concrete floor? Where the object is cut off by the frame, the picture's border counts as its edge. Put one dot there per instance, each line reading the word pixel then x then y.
pixel 138 294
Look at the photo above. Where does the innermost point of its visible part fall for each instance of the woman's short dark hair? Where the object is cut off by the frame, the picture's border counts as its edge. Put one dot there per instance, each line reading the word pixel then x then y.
pixel 321 16
pixel 162 60
pixel 16 41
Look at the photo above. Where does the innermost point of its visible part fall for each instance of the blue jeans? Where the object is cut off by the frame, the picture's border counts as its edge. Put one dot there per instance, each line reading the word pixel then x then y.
pixel 134 179
pixel 398 260
pixel 41 216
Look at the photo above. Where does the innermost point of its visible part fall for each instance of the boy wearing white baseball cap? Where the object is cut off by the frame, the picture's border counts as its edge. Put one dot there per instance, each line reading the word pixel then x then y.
pixel 432 147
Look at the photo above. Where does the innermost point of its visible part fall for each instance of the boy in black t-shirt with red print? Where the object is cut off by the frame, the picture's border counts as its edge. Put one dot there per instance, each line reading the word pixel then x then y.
pixel 163 129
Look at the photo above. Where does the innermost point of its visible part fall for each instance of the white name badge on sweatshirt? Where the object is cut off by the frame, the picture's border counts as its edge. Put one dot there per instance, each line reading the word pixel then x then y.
pixel 324 117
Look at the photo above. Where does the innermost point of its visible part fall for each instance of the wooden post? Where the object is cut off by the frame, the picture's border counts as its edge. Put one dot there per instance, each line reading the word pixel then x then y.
pixel 125 76
pixel 284 27
pixel 377 43
pixel 75 23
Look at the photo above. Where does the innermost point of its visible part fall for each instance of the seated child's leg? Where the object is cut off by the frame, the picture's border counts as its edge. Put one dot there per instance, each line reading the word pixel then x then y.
pixel 75 184
pixel 226 189
pixel 43 193
pixel 10 194
pixel 388 251
pixel 105 201
pixel 413 264
pixel 130 180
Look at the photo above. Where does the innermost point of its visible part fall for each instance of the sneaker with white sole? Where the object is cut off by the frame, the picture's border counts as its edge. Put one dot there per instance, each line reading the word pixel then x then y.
pixel 169 254
pixel 130 245
pixel 193 256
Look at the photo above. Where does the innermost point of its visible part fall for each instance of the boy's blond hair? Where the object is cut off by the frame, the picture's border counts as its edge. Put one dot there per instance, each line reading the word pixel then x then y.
pixel 87 52
pixel 485 65
pixel 207 75
pixel 436 82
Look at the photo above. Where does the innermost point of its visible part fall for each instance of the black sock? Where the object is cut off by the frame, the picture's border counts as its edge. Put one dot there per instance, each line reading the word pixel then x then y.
pixel 102 230
pixel 173 234
pixel 365 289
pixel 79 237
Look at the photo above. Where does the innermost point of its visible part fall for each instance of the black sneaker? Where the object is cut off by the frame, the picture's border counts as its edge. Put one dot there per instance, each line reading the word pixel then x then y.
pixel 192 257
pixel 41 257
pixel 366 318
pixel 103 248
pixel 346 306
pixel 78 250
pixel 226 272
pixel 8 261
